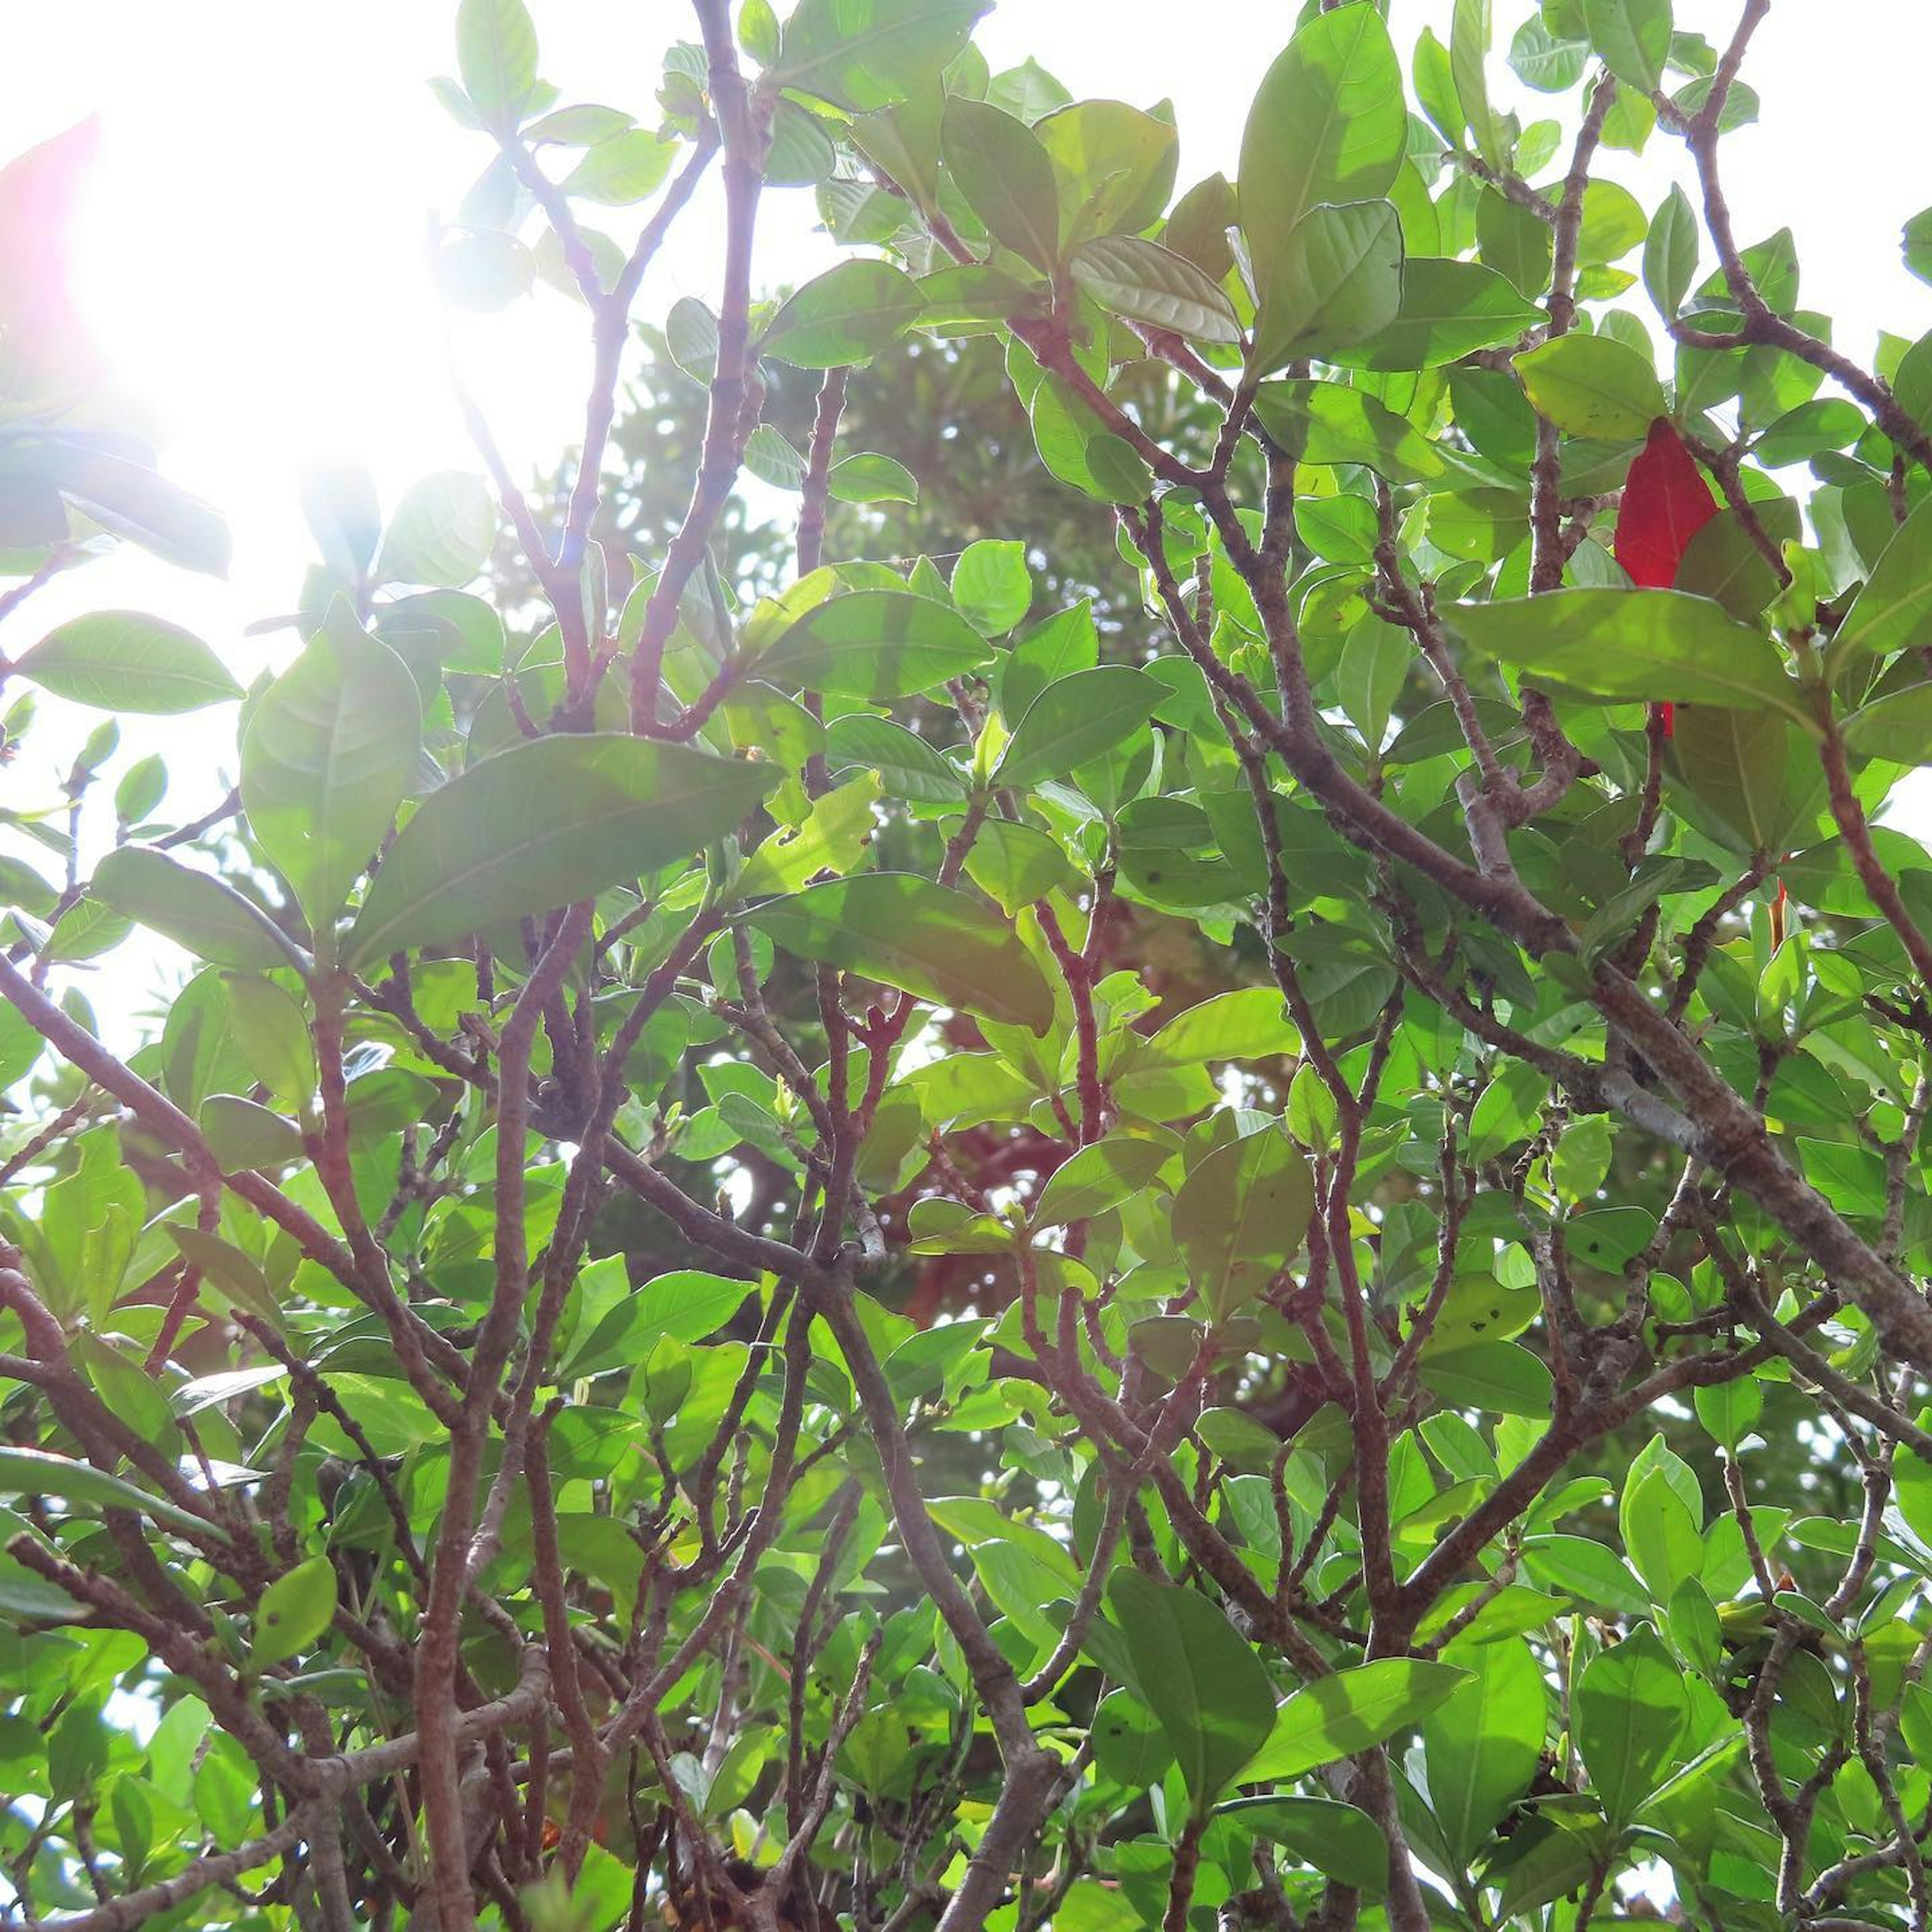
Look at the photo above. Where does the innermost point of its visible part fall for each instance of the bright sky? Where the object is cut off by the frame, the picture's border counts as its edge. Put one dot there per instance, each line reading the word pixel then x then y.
pixel 253 251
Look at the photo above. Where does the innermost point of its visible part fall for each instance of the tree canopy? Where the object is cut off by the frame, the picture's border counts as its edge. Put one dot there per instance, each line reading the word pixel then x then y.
pixel 1165 1168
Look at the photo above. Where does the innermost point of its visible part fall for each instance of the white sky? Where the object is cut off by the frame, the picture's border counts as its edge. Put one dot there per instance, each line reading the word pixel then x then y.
pixel 253 253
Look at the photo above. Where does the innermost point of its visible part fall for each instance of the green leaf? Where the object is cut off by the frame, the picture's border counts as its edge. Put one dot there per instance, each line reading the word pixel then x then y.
pixel 992 587
pixel 1325 423
pixel 1894 610
pixel 1592 385
pixel 440 534
pixel 1198 1677
pixel 296 1609
pixel 1000 168
pixel 832 838
pixel 33 1472
pixel 496 55
pixel 1469 51
pixel 1014 864
pixel 1916 242
pixel 1751 772
pixel 1500 1375
pixel 866 54
pixel 126 660
pixel 1483 1744
pixel 1631 1708
pixel 1670 252
pixel 1336 280
pixel 1130 1745
pixel 773 459
pixel 622 170
pixel 1515 242
pixel 1250 1024
pixel 271 1031
pixel 129 500
pixel 1152 285
pixel 227 1268
pixel 1633 36
pixel 1110 1171
pixel 1898 725
pixel 1549 63
pixel 196 910
pixel 685 1305
pixel 1351 1711
pixel 545 823
pixel 869 477
pixel 1076 719
pixel 906 931
pixel 1328 124
pixel 907 767
pixel 1662 1537
pixel 242 1134
pixel 1240 1213
pixel 848 314
pixel 27 1598
pixel 873 644
pixel 1729 1411
pixel 1625 645
pixel 1336 1840
pixel 1113 166
pixel 1449 309
pixel 330 751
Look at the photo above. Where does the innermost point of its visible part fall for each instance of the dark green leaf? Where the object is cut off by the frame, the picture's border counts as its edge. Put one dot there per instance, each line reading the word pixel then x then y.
pixel 1630 1711
pixel 1076 719
pixel 906 931
pixel 1622 645
pixel 544 823
pixel 1240 1215
pixel 1335 280
pixel 1336 1840
pixel 1448 309
pixel 1004 173
pixel 1202 1681
pixel 1353 1709
pixel 196 910
pixel 1894 610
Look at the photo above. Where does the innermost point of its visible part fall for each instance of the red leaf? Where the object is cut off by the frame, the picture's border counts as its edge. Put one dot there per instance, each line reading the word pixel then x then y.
pixel 1666 502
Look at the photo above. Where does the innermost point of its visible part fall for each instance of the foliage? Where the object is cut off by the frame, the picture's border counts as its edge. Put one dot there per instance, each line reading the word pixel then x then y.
pixel 830 1243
